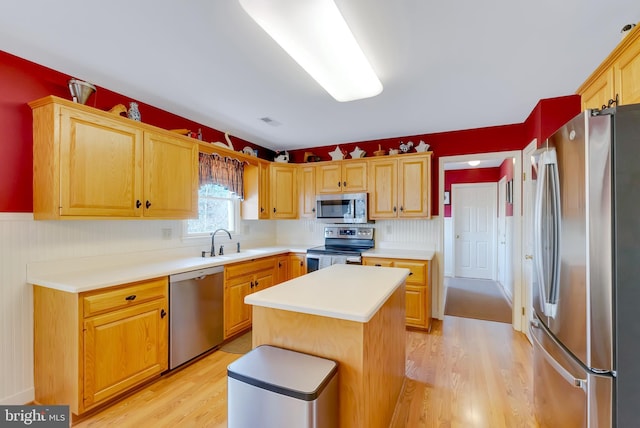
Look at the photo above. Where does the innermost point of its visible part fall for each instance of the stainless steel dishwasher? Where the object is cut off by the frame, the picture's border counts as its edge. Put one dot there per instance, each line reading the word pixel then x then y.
pixel 195 313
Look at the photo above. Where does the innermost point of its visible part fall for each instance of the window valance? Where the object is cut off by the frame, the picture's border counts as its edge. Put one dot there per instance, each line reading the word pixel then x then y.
pixel 223 171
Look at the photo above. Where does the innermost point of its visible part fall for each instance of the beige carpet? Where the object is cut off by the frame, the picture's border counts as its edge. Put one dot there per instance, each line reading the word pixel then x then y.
pixel 476 298
pixel 239 345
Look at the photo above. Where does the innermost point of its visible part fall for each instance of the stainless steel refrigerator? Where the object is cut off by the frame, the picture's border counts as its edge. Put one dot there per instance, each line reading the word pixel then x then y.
pixel 586 292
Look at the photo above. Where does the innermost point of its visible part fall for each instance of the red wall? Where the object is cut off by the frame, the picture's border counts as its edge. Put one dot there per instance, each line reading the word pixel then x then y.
pixel 547 116
pixel 506 170
pixel 472 175
pixel 22 81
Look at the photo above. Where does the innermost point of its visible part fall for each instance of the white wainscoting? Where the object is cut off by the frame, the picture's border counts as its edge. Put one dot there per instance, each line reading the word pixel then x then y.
pixel 23 240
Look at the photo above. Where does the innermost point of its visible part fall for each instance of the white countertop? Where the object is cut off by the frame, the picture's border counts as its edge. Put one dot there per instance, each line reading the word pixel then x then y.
pixel 348 292
pixel 394 253
pixel 92 273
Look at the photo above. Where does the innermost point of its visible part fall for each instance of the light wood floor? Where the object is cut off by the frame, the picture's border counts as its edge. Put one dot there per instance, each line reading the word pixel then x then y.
pixel 465 373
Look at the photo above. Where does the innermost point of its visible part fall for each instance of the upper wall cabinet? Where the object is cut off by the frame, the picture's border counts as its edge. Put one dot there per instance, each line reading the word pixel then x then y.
pixel 341 176
pixel 399 187
pixel 92 164
pixel 255 205
pixel 617 77
pixel 283 180
pixel 307 191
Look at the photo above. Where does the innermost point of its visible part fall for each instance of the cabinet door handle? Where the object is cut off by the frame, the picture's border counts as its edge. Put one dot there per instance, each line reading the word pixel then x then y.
pixel 274 209
pixel 313 210
pixel 163 313
pixel 410 273
pixel 394 209
pixel 377 264
pixel 148 204
pixel 261 209
pixel 256 283
pixel 251 284
pixel 138 203
pixel 301 263
pixel 344 184
pixel 401 208
pixel 130 298
pixel 279 264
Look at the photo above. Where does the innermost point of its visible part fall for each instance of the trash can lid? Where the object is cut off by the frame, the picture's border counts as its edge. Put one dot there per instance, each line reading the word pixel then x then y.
pixel 284 371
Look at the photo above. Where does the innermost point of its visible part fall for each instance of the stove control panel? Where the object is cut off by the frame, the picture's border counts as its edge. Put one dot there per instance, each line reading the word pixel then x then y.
pixel 348 232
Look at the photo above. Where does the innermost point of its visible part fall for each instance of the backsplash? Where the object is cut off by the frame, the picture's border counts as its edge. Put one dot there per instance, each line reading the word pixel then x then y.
pixel 407 234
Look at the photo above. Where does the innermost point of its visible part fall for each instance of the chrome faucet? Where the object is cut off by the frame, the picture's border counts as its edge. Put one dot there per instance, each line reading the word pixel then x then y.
pixel 213 241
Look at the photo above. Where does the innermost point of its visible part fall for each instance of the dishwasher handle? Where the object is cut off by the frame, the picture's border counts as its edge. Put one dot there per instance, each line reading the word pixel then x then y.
pixel 195 274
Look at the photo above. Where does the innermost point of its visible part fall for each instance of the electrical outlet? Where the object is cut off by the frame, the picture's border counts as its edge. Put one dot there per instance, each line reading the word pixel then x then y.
pixel 166 233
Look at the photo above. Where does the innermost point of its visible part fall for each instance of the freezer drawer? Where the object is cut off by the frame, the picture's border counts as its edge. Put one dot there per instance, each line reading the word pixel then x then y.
pixel 565 393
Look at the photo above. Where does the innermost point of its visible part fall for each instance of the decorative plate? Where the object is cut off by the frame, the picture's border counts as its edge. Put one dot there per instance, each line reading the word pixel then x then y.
pixel 249 151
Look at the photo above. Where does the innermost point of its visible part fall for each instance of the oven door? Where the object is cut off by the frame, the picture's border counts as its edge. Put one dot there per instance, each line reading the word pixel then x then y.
pixel 318 261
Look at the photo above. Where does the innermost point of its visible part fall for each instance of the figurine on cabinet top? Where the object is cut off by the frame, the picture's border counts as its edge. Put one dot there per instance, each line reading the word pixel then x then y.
pixel 337 154
pixel 282 157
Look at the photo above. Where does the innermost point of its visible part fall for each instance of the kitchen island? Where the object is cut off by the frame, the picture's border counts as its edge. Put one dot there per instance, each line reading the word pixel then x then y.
pixel 354 315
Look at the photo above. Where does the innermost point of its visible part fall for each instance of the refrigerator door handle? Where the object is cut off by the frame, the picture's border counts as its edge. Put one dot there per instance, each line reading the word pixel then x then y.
pixel 574 381
pixel 547 187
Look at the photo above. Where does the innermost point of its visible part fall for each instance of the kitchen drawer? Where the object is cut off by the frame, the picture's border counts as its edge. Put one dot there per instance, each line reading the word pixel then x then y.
pixel 243 268
pixel 378 262
pixel 97 302
pixel 418 271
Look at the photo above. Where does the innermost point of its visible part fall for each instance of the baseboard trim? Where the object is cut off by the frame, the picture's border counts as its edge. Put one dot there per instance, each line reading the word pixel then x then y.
pixel 23 397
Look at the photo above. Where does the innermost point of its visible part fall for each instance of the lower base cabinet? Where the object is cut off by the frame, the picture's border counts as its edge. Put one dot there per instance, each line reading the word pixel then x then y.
pixel 244 278
pixel 92 347
pixel 240 280
pixel 418 289
pixel 297 264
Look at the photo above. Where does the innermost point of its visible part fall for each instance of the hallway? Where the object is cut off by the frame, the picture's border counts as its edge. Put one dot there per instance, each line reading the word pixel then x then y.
pixel 477 298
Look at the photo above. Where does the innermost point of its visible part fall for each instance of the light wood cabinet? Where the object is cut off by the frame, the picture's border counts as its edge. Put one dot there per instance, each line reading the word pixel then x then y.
pixel 297 264
pixel 418 289
pixel 170 177
pixel 400 187
pixel 341 176
pixel 240 280
pixel 284 191
pixel 255 205
pixel 307 191
pixel 617 76
pixel 92 164
pixel 281 269
pixel 92 347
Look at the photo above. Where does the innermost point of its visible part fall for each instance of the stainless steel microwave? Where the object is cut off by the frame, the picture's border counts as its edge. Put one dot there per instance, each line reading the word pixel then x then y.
pixel 342 208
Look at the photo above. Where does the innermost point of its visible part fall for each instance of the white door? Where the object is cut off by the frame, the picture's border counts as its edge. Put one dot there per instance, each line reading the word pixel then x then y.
pixel 502 232
pixel 474 219
pixel 528 195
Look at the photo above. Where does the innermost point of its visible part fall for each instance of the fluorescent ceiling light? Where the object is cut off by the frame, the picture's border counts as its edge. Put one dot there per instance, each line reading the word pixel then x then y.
pixel 474 163
pixel 316 36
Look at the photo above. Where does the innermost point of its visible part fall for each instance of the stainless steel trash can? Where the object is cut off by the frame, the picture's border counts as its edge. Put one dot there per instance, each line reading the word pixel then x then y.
pixel 271 387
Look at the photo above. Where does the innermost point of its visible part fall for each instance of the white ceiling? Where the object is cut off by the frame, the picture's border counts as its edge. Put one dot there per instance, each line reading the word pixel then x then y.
pixel 445 65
